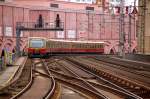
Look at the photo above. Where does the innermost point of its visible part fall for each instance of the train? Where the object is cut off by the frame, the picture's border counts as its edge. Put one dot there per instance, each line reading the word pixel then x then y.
pixel 46 47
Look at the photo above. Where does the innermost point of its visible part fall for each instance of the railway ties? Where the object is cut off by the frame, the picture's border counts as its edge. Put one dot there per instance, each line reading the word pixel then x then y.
pixel 139 73
pixel 103 77
pixel 83 79
pixel 74 83
pixel 39 86
pixel 76 77
pixel 31 84
pixel 86 82
pixel 17 83
pixel 120 79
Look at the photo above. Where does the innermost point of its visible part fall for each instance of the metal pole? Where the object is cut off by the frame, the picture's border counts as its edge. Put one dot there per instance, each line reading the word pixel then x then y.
pixel 88 25
pixel 129 32
pixel 121 30
pixel 18 41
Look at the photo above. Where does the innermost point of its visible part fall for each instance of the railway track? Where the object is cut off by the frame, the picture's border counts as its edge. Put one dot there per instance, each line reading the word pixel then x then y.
pixel 40 87
pixel 79 73
pixel 135 65
pixel 137 74
pixel 141 75
pixel 18 83
pixel 77 84
pixel 79 78
pixel 31 84
pixel 137 89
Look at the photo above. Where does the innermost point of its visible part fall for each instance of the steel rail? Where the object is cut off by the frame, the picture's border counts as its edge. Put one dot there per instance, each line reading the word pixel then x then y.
pixel 124 67
pixel 14 78
pixel 53 85
pixel 70 83
pixel 101 85
pixel 134 96
pixel 86 82
pixel 27 86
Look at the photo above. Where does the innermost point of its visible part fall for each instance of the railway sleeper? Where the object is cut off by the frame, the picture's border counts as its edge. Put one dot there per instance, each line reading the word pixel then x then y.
pixel 145 95
pixel 125 84
pixel 119 81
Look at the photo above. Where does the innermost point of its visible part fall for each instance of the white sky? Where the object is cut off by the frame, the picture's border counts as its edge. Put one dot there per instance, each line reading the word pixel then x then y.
pixel 131 2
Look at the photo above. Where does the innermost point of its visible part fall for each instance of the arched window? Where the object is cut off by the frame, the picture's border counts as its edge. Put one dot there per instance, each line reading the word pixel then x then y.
pixel 3 52
pixel 134 51
pixel 111 51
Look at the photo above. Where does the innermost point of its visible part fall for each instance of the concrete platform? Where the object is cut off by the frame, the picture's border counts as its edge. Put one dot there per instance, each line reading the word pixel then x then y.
pixel 9 72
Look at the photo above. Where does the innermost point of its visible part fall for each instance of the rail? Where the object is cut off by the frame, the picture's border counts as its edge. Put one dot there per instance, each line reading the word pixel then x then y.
pixel 134 96
pixel 42 26
pixel 27 86
pixel 53 85
pixel 12 80
pixel 86 82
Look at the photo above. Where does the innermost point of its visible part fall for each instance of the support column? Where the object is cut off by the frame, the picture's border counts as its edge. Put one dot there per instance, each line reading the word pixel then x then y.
pixel 129 32
pixel 18 32
pixel 121 31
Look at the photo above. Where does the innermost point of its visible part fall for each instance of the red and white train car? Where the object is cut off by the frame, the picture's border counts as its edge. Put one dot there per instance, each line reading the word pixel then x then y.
pixel 36 46
pixel 66 46
pixel 42 47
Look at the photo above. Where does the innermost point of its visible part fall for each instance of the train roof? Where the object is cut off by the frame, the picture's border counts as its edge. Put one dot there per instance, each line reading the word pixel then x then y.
pixel 75 41
pixel 36 38
pixel 56 40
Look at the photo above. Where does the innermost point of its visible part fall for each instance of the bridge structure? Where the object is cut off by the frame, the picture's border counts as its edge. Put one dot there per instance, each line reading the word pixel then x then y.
pixel 34 26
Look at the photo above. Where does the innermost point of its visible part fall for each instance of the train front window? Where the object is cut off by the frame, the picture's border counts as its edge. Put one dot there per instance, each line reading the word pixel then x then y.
pixel 36 43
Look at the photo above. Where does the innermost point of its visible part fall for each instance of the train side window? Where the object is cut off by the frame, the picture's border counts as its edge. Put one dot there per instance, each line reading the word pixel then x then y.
pixel 63 45
pixel 100 46
pixel 57 45
pixel 53 45
pixel 87 45
pixel 83 45
pixel 79 45
pixel 96 45
pixel 75 45
pixel 66 45
pixel 91 45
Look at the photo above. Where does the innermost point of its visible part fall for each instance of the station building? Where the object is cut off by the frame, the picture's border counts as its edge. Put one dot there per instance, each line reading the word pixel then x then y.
pixel 81 21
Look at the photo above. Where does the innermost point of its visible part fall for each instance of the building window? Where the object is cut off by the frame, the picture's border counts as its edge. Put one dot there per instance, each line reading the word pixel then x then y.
pixel 54 5
pixel 89 8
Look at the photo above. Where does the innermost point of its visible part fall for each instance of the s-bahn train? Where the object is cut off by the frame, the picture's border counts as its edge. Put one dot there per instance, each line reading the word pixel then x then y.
pixel 44 47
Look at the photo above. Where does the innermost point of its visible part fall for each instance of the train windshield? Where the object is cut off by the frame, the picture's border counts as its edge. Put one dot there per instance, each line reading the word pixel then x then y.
pixel 36 43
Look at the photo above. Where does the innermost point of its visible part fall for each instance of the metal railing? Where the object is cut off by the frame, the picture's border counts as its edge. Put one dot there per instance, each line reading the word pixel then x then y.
pixel 36 25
